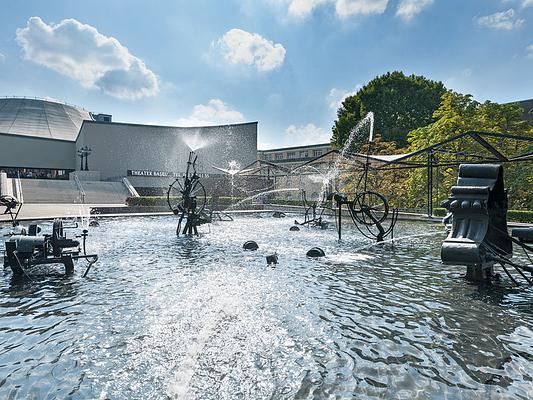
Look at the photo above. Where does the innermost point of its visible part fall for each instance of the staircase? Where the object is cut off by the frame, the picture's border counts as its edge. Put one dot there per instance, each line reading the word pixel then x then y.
pixel 49 191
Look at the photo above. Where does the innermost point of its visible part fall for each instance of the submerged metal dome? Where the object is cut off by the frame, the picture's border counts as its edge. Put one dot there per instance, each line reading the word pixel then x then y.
pixel 41 118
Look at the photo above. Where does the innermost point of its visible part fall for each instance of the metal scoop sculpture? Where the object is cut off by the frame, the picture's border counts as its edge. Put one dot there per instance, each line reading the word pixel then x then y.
pixel 478 236
pixel 187 198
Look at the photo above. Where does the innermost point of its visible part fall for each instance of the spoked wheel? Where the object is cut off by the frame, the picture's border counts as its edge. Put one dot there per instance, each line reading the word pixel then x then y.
pixel 372 203
pixel 177 201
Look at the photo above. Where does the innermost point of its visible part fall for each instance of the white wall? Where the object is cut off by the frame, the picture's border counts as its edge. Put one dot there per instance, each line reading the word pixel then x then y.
pixel 117 148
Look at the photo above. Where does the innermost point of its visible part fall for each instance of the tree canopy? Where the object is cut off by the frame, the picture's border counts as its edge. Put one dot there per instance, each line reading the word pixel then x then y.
pixel 459 113
pixel 400 104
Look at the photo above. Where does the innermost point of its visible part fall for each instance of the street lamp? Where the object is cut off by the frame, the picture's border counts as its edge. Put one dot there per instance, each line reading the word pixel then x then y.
pixel 84 153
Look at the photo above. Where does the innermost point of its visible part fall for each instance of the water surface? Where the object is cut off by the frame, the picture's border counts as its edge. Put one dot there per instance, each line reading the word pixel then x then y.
pixel 165 317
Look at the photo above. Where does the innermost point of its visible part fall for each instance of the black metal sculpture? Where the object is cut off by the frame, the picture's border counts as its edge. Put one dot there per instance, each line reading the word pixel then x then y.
pixel 29 248
pixel 187 198
pixel 369 211
pixel 11 204
pixel 478 236
pixel 314 215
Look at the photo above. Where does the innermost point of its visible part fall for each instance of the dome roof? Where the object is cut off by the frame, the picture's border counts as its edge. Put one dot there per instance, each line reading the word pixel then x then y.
pixel 41 118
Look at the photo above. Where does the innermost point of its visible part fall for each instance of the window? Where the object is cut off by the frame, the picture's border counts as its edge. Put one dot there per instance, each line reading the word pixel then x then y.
pixel 279 156
pixel 291 154
pixel 304 153
pixel 317 153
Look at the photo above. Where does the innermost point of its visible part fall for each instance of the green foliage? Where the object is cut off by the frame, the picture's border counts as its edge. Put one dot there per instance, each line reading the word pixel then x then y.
pixel 400 104
pixel 512 215
pixel 520 216
pixel 457 114
pixel 150 201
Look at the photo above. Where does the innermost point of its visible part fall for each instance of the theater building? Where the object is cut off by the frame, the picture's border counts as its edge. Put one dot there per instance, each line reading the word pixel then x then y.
pixel 41 139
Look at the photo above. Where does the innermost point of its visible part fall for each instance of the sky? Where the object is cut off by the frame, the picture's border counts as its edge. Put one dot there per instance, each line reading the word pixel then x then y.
pixel 284 63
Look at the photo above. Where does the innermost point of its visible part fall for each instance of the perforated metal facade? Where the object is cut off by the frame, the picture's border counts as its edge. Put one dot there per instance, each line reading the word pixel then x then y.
pixel 41 118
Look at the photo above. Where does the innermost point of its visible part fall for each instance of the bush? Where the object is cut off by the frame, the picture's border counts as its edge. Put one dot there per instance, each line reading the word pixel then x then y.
pixel 151 201
pixel 520 216
pixel 512 215
pixel 440 212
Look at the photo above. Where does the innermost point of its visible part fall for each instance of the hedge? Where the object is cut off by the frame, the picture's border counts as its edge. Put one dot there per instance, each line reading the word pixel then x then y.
pixel 512 215
pixel 162 200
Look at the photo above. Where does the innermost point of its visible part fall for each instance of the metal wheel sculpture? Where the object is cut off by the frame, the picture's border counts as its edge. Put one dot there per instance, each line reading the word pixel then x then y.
pixel 369 207
pixel 177 201
pixel 369 210
pixel 187 198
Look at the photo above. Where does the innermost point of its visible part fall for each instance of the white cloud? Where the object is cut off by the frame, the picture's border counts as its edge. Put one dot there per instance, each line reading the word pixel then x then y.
pixel 96 61
pixel 527 3
pixel 2 57
pixel 500 20
pixel 408 9
pixel 305 135
pixel 529 50
pixel 241 47
pixel 347 8
pixel 216 112
pixel 343 8
pixel 336 96
pixel 302 8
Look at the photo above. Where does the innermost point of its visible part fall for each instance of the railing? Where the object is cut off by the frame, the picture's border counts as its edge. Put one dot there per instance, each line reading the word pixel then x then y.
pixel 43 99
pixel 130 187
pixel 80 187
pixel 18 189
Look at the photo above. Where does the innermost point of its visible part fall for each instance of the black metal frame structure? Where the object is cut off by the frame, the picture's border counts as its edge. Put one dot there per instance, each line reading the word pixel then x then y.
pixel 428 157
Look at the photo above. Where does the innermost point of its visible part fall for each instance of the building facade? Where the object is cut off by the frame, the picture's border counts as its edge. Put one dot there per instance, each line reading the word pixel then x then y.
pixel 41 138
pixel 293 156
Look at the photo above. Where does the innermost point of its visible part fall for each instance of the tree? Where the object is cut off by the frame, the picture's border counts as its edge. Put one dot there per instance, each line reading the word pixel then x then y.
pixel 400 104
pixel 457 114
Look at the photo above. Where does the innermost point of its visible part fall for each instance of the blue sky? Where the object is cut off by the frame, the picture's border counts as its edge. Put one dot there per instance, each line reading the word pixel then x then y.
pixel 284 63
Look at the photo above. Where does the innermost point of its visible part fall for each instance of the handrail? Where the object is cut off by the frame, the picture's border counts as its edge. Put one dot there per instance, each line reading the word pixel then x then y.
pixel 80 187
pixel 18 188
pixel 130 187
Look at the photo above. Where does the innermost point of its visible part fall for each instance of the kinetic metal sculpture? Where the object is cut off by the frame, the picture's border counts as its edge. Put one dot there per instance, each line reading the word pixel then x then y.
pixel 369 211
pixel 11 204
pixel 26 249
pixel 478 235
pixel 187 198
pixel 311 216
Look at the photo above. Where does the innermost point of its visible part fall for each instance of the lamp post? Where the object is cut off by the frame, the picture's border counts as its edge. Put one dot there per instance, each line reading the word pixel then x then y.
pixel 88 151
pixel 84 153
pixel 80 155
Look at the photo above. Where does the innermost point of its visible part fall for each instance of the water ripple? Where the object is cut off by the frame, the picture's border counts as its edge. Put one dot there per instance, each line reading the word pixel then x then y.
pixel 179 318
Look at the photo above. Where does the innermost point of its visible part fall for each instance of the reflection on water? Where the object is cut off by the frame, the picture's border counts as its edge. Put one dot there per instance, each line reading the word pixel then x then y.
pixel 166 317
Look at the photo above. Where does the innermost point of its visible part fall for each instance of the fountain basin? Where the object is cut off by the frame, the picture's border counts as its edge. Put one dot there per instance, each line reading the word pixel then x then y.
pixel 199 318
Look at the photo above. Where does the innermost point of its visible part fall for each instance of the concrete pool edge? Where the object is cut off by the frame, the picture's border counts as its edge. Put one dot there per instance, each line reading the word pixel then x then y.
pixel 45 212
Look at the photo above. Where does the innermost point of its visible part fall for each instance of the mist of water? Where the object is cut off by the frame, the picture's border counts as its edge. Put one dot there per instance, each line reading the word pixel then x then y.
pixel 333 171
pixel 255 196
pixel 195 141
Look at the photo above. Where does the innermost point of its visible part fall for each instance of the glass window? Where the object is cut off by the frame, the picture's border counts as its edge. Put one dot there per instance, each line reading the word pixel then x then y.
pixel 279 156
pixel 291 154
pixel 304 153
pixel 317 153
